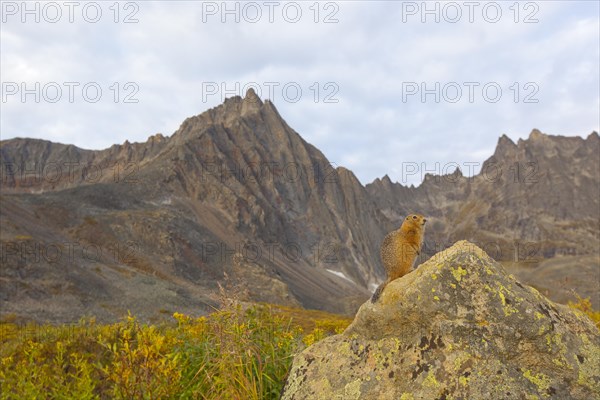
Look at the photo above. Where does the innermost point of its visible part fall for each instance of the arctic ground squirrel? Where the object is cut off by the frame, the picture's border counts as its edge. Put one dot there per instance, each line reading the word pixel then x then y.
pixel 400 249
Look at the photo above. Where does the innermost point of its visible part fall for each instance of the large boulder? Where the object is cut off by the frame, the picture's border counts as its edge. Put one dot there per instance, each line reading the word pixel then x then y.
pixel 459 327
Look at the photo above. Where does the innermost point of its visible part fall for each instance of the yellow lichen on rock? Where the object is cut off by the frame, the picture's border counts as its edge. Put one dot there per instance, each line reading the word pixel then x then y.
pixel 540 380
pixel 491 337
pixel 458 273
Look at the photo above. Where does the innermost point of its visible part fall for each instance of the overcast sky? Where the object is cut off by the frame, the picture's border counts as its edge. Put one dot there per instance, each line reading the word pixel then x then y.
pixel 373 85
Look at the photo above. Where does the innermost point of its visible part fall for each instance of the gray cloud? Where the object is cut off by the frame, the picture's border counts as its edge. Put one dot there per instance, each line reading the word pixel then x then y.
pixel 369 57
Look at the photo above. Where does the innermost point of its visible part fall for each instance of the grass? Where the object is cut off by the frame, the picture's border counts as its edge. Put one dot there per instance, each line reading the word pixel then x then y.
pixel 585 305
pixel 233 353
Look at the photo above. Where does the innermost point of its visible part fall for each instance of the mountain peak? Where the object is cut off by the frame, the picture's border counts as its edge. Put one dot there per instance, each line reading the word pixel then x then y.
pixel 158 137
pixel 251 102
pixel 505 145
pixel 225 113
pixel 252 96
pixel 505 141
pixel 536 134
pixel 457 172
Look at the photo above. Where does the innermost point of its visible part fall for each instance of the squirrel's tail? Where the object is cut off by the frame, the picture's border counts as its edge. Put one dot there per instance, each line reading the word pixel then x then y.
pixel 378 291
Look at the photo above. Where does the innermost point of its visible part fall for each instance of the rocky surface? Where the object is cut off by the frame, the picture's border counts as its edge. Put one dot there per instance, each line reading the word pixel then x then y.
pixel 532 200
pixel 152 227
pixel 459 327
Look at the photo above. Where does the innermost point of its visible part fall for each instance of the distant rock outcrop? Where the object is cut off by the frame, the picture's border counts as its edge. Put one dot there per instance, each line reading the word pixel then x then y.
pixel 459 327
pixel 534 199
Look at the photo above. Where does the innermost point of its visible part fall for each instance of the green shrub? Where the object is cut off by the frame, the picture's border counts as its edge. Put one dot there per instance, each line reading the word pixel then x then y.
pixel 233 353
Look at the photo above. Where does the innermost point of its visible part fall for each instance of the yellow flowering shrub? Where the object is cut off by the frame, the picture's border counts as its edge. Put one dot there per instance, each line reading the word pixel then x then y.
pixel 233 353
pixel 585 305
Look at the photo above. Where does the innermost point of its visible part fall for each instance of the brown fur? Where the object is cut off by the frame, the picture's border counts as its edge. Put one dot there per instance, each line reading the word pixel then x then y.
pixel 400 249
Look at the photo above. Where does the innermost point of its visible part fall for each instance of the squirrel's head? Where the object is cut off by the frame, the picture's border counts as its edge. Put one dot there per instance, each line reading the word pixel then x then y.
pixel 415 220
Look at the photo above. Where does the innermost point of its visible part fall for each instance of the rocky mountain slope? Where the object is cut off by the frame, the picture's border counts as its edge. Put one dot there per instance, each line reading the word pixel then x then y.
pixel 531 200
pixel 153 227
